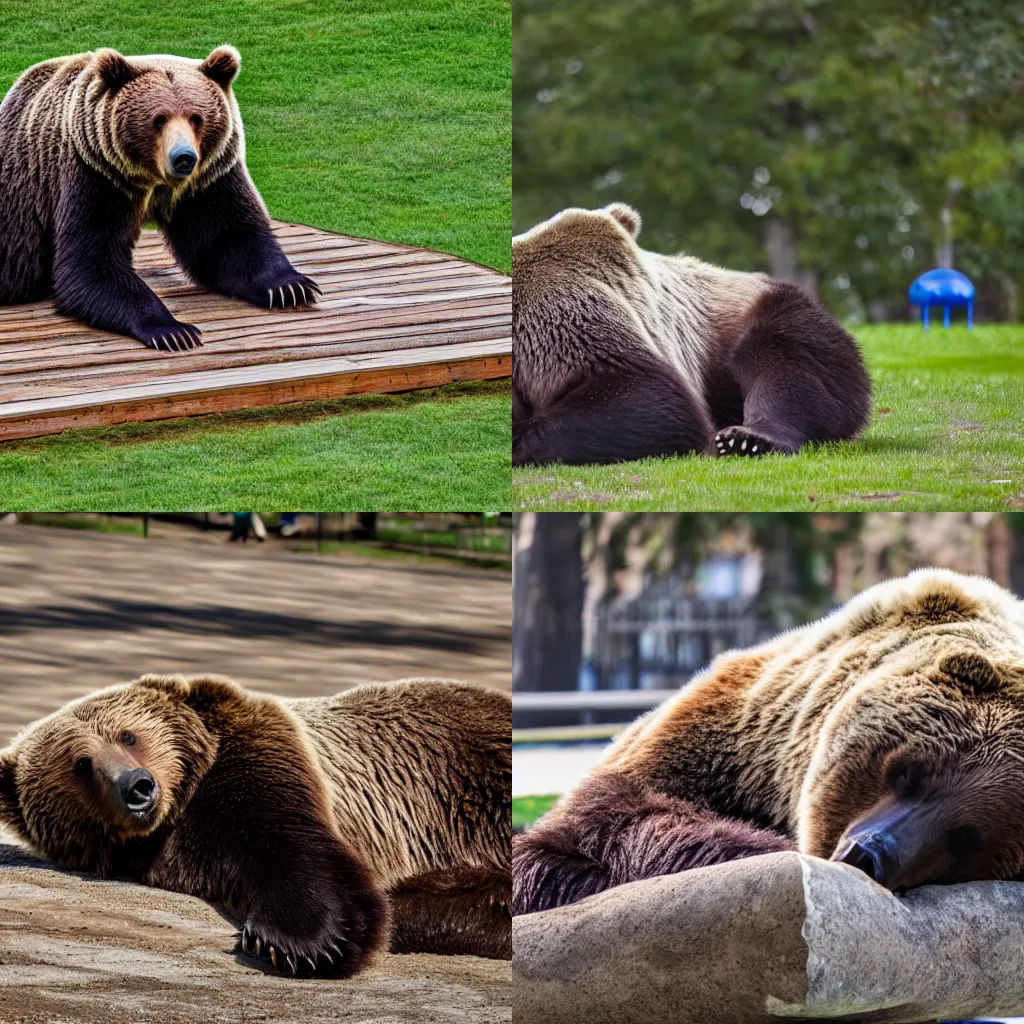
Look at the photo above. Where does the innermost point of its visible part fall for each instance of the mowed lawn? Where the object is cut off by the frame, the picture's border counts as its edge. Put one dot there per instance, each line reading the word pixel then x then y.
pixel 389 119
pixel 947 433
pixel 309 454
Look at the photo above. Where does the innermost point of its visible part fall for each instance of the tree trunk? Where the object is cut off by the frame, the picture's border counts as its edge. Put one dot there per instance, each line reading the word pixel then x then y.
pixel 780 247
pixel 547 602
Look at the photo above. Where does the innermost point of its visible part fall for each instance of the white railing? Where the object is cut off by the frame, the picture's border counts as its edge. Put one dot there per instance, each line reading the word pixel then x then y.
pixel 588 700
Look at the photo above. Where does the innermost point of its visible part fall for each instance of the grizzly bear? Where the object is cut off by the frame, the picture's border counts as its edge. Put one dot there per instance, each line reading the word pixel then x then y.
pixel 327 827
pixel 93 145
pixel 888 735
pixel 619 353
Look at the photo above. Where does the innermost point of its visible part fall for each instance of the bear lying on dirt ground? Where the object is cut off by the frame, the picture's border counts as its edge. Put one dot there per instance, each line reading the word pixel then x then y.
pixel 328 827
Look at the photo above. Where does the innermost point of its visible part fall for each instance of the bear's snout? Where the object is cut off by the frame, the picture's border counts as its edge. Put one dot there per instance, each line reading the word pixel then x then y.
pixel 138 790
pixel 183 159
pixel 874 854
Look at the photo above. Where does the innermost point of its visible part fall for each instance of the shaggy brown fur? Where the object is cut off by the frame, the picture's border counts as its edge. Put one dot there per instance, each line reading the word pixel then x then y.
pixel 311 821
pixel 889 735
pixel 93 145
pixel 616 830
pixel 620 353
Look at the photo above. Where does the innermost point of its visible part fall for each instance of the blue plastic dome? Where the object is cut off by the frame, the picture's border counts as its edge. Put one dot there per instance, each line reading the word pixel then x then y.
pixel 943 287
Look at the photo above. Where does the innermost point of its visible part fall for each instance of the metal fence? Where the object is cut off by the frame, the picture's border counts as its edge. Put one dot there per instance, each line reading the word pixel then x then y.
pixel 658 641
pixel 640 651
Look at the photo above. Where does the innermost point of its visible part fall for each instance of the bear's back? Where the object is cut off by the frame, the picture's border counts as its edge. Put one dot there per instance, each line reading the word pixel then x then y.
pixel 399 759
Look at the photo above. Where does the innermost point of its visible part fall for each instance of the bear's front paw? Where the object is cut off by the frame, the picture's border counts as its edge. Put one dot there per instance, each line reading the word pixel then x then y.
pixel 289 290
pixel 743 441
pixel 169 337
pixel 333 956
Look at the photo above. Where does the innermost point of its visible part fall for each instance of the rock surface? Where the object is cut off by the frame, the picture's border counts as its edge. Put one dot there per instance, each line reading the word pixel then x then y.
pixel 779 937
pixel 79 950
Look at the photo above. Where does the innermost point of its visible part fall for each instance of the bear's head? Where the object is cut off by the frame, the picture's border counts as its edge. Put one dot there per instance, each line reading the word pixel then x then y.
pixel 601 243
pixel 162 119
pixel 105 771
pixel 918 777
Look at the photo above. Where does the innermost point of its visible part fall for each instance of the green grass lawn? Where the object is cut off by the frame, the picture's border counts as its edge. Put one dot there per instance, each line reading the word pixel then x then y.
pixel 947 433
pixel 385 118
pixel 527 809
pixel 348 455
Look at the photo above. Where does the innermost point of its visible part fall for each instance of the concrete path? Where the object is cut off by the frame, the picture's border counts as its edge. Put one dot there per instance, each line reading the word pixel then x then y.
pixel 541 771
pixel 80 610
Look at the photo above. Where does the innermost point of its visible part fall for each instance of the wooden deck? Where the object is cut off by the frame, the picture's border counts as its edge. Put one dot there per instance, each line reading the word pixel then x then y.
pixel 392 318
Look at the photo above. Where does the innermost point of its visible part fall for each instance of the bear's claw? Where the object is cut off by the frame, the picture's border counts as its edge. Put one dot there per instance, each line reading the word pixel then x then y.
pixel 252 945
pixel 163 339
pixel 742 441
pixel 300 291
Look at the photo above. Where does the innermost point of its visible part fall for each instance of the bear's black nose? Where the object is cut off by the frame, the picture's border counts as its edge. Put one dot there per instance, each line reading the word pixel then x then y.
pixel 138 790
pixel 872 855
pixel 183 160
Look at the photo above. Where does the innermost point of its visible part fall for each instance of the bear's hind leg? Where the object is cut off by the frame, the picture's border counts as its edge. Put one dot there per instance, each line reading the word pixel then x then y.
pixel 463 910
pixel 222 237
pixel 802 377
pixel 613 830
pixel 623 413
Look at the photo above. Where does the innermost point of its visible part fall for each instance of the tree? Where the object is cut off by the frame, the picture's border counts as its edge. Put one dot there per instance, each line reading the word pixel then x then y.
pixel 547 602
pixel 830 142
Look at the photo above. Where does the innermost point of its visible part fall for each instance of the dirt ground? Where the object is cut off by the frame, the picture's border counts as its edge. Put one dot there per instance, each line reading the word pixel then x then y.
pixel 79 610
pixel 75 949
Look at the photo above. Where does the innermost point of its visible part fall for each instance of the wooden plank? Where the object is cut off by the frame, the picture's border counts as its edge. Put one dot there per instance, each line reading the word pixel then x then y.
pixel 383 278
pixel 347 377
pixel 57 382
pixel 99 377
pixel 246 319
pixel 392 317
pixel 367 338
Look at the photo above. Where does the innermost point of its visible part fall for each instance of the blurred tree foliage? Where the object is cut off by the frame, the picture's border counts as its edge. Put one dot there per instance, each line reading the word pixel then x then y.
pixel 819 139
pixel 798 549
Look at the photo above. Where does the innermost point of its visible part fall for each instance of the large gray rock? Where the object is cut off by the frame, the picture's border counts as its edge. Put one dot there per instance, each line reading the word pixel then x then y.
pixel 78 949
pixel 779 937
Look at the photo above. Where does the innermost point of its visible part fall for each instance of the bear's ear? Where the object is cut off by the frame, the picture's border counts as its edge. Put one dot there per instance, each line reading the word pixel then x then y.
pixel 10 805
pixel 173 686
pixel 626 216
pixel 971 672
pixel 222 65
pixel 114 69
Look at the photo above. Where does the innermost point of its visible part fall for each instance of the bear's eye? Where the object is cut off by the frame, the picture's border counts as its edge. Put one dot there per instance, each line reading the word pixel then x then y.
pixel 965 841
pixel 128 738
pixel 159 121
pixel 83 767
pixel 197 121
pixel 907 777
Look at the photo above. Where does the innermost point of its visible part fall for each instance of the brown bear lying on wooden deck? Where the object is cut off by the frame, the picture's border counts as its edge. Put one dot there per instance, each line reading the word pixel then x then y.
pixel 93 145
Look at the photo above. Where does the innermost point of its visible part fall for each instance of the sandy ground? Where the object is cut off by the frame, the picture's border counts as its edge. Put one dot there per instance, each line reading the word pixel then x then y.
pixel 79 610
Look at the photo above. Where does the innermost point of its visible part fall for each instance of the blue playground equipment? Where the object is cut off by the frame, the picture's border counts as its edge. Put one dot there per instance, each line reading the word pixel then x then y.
pixel 944 288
